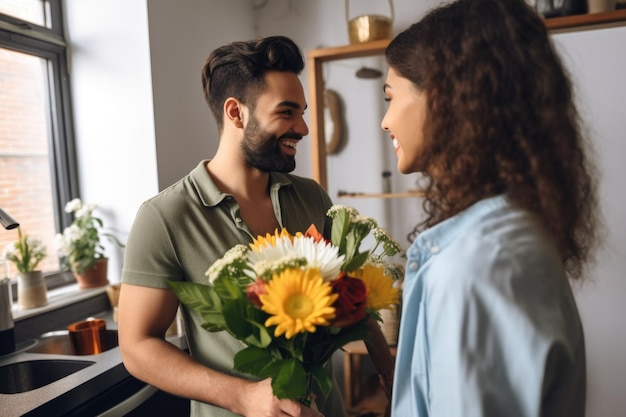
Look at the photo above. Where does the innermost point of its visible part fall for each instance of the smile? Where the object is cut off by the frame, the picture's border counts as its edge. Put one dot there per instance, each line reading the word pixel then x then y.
pixel 290 143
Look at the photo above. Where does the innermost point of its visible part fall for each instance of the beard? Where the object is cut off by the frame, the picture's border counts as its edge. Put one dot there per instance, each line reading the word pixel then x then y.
pixel 261 149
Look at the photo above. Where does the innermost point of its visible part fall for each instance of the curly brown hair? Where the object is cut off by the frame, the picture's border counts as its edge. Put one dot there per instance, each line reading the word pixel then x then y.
pixel 501 120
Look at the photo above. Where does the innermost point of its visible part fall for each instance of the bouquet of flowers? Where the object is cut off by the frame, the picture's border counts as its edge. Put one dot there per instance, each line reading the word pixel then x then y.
pixel 293 300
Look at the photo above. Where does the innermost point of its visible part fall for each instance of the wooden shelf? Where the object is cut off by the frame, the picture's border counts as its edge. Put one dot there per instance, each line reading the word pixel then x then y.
pixel 317 57
pixel 407 194
pixel 587 21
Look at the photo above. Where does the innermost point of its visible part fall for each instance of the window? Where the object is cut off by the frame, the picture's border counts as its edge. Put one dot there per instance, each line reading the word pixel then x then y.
pixel 37 163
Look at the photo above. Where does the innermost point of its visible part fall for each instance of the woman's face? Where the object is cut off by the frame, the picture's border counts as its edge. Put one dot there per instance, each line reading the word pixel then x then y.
pixel 404 120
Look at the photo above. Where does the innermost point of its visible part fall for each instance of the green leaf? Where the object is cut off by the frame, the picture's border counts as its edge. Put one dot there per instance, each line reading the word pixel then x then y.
pixel 339 229
pixel 356 262
pixel 213 323
pixel 203 300
pixel 198 297
pixel 291 381
pixel 227 289
pixel 260 336
pixel 253 361
pixel 322 378
pixel 235 316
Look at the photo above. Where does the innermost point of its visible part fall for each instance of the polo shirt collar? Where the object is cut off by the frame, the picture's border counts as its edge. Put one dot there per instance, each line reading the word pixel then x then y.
pixel 211 196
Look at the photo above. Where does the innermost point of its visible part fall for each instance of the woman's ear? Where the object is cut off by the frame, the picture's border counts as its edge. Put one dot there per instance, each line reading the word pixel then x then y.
pixel 233 112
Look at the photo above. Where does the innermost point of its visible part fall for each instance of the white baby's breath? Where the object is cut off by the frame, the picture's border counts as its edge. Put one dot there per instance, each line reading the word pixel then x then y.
pixel 225 265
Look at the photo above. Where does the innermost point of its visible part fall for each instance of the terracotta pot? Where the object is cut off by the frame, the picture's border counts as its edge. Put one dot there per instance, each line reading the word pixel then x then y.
pixel 93 277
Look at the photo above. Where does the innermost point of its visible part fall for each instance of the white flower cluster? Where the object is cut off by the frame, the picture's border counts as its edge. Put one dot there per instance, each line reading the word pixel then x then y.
pixel 35 247
pixel 63 241
pixel 223 266
pixel 26 253
pixel 320 255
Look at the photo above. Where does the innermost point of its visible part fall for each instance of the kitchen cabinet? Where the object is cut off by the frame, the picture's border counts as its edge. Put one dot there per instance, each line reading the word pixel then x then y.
pixel 317 57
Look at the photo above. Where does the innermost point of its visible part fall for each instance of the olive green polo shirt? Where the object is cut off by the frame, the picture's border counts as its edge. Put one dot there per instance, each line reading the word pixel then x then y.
pixel 181 231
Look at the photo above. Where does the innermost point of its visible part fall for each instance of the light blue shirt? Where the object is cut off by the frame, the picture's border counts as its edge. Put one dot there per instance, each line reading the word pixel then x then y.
pixel 489 326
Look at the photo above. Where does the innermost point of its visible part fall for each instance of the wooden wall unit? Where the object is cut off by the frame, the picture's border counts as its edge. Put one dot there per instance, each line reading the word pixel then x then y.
pixel 317 57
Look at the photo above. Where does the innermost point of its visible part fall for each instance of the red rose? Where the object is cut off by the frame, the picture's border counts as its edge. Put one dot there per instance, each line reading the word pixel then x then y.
pixel 254 290
pixel 350 305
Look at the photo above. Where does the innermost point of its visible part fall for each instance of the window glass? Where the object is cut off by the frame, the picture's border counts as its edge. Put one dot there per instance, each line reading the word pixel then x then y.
pixel 25 183
pixel 32 11
pixel 37 159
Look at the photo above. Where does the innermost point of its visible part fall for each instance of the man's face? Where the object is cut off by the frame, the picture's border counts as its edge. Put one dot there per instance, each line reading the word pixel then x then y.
pixel 276 125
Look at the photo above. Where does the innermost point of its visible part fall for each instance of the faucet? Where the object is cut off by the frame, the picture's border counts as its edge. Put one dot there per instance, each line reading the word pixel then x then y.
pixel 7 326
pixel 7 221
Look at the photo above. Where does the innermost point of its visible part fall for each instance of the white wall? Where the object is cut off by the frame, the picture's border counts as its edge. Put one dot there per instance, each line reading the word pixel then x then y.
pixel 140 119
pixel 141 123
pixel 598 64
pixel 113 111
pixel 182 34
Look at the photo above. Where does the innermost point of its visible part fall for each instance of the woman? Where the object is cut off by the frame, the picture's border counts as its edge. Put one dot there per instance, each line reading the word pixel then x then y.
pixel 481 106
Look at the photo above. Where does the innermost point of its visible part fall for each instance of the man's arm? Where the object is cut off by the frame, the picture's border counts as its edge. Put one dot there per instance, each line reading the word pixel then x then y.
pixel 144 316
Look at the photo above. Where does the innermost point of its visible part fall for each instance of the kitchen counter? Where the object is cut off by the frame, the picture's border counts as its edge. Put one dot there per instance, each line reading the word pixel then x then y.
pixel 74 391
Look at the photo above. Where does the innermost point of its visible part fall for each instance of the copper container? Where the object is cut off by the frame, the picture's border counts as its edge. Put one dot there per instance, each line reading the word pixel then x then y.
pixel 88 337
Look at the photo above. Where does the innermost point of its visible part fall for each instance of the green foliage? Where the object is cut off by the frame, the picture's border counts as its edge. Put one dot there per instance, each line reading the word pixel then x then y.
pixel 80 243
pixel 26 253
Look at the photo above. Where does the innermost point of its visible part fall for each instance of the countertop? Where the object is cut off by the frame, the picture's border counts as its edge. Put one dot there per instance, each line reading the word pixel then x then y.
pixel 71 391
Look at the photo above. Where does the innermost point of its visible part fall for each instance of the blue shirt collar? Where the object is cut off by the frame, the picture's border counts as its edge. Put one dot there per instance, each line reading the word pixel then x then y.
pixel 439 236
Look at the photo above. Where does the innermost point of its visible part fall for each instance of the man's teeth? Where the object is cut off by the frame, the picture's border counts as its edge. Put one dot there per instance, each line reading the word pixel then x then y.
pixel 396 145
pixel 291 143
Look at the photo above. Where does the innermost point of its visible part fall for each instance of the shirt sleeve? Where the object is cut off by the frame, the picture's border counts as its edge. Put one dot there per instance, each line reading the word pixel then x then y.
pixel 149 259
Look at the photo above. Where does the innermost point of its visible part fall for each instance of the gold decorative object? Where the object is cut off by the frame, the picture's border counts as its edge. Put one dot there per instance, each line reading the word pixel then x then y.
pixel 367 28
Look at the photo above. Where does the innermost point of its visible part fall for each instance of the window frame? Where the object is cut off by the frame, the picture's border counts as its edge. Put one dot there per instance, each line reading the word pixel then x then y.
pixel 49 43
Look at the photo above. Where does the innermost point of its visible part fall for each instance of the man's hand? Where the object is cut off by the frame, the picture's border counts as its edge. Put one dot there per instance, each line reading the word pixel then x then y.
pixel 259 401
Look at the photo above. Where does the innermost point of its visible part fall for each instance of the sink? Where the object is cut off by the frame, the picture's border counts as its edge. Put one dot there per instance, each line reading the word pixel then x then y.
pixel 29 375
pixel 58 343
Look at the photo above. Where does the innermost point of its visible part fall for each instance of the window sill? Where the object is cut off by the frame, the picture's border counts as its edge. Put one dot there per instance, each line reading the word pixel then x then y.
pixel 58 298
pixel 66 305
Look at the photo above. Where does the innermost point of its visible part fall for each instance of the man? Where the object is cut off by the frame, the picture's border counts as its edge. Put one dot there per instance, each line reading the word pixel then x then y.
pixel 255 94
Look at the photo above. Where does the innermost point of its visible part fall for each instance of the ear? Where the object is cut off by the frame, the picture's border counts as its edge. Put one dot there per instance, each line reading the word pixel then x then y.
pixel 234 112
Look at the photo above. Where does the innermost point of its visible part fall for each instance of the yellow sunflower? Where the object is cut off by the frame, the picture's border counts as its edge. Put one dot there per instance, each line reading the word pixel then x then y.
pixel 380 290
pixel 269 240
pixel 298 300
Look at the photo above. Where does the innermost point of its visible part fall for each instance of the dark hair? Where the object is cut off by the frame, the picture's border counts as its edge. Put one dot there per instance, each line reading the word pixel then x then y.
pixel 501 120
pixel 237 69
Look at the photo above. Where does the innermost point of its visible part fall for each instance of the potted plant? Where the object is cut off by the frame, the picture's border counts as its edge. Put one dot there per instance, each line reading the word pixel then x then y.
pixel 26 254
pixel 80 245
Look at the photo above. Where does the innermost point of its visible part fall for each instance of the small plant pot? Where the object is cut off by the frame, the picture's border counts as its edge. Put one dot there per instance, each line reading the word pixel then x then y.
pixel 95 276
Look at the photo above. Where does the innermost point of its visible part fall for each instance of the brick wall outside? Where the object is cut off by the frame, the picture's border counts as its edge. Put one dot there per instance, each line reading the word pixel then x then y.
pixel 25 183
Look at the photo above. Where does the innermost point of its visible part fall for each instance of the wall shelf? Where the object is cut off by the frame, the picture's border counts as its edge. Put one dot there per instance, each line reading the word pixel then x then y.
pixel 406 194
pixel 587 21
